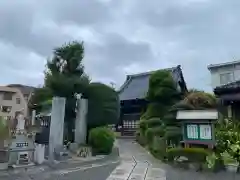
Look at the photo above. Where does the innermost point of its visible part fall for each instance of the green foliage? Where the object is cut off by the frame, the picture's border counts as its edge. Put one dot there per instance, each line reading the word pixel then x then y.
pixel 65 73
pixel 140 138
pixel 101 139
pixel 173 131
pixel 211 160
pixel 64 76
pixel 143 126
pixel 228 138
pixel 103 105
pixel 4 131
pixel 162 94
pixel 162 88
pixel 153 122
pixel 193 154
pixel 201 100
pixel 181 105
pixel 39 97
pixel 155 131
pixel 155 109
pixel 158 148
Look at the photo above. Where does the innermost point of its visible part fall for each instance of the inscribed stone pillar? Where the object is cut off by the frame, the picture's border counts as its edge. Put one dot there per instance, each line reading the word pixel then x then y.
pixel 57 125
pixel 81 121
pixel 33 117
pixel 229 111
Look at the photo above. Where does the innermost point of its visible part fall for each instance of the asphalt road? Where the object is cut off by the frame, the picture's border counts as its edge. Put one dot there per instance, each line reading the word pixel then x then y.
pixel 93 173
pixel 98 171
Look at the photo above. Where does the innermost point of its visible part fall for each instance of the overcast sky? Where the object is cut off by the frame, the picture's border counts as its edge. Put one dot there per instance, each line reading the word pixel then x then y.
pixel 121 36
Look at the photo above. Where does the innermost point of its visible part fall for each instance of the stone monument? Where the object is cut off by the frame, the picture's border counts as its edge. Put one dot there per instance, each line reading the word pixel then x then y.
pixel 80 122
pixel 21 149
pixel 56 127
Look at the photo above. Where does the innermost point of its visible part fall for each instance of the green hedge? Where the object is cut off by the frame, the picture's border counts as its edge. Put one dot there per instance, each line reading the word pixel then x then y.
pixel 140 138
pixel 143 126
pixel 153 122
pixel 158 148
pixel 156 131
pixel 193 154
pixel 101 139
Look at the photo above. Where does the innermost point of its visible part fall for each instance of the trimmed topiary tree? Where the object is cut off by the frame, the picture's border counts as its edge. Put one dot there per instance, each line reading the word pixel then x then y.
pixel 103 105
pixel 101 139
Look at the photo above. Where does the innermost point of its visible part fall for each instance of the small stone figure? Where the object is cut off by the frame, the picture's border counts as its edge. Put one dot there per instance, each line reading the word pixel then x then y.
pixel 20 123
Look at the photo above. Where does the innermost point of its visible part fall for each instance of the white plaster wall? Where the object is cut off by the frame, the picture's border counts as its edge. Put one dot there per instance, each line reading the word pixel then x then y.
pixel 15 107
pixel 215 74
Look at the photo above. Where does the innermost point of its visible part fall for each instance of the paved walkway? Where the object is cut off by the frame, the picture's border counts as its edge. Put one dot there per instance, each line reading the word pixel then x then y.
pixel 138 164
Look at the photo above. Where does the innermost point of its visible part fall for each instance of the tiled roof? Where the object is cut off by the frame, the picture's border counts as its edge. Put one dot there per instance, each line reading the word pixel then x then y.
pixel 211 66
pixel 234 84
pixel 228 88
pixel 26 90
pixel 136 86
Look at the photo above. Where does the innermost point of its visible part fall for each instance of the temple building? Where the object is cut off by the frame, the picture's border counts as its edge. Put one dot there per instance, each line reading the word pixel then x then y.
pixel 132 97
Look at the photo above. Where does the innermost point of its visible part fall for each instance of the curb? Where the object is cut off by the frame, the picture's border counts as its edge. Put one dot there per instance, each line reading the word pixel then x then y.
pixel 47 167
pixel 68 164
pixel 127 137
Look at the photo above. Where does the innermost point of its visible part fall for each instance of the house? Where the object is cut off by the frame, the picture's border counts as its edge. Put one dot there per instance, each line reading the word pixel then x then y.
pixel 227 87
pixel 132 96
pixel 27 91
pixel 12 101
pixel 224 73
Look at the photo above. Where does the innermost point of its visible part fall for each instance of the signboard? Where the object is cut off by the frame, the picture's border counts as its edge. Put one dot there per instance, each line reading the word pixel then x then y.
pixel 198 131
pixel 205 132
pixel 192 131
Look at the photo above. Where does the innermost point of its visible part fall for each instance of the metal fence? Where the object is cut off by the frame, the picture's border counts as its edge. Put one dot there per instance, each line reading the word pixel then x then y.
pixel 42 137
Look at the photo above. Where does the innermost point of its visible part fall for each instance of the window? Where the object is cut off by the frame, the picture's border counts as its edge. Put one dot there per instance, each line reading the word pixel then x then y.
pixel 7 96
pixel 226 78
pixel 6 109
pixel 130 124
pixel 18 100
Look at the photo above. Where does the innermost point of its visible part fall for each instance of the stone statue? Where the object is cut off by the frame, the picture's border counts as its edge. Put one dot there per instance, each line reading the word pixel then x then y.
pixel 20 123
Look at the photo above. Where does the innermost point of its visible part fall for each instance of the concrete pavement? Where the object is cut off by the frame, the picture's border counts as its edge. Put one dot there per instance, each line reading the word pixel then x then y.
pixel 97 171
pixel 137 164
pixel 133 168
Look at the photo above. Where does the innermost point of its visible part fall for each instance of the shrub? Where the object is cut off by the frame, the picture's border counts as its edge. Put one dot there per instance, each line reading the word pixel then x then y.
pixel 156 131
pixel 192 154
pixel 158 148
pixel 153 122
pixel 143 126
pixel 101 139
pixel 140 138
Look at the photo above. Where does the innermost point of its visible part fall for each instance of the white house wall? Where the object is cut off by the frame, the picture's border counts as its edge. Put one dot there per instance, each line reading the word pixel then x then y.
pixel 215 74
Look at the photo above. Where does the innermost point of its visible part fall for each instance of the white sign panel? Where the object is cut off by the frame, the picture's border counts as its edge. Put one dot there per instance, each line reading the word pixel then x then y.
pixel 192 131
pixel 205 132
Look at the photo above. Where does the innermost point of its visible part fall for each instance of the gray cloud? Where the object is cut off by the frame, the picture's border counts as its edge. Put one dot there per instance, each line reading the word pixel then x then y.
pixel 120 36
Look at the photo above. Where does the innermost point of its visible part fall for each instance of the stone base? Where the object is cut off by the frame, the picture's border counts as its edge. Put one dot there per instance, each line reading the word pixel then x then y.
pixel 84 152
pixel 4 166
pixel 22 165
pixel 61 153
pixel 232 168
pixel 73 147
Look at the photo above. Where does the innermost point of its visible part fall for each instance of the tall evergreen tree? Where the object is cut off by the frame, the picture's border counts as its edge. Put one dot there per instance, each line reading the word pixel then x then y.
pixel 65 76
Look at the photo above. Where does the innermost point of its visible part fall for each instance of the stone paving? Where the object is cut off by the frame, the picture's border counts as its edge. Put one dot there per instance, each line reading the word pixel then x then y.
pixel 136 164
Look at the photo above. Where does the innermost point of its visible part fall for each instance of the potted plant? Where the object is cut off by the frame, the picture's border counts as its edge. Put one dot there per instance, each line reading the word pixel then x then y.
pixel 4 135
